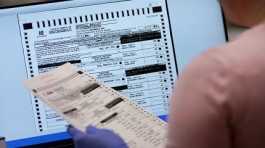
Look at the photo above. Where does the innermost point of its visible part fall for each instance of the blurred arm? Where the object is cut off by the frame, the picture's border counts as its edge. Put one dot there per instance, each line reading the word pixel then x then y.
pixel 219 99
pixel 198 117
pixel 245 13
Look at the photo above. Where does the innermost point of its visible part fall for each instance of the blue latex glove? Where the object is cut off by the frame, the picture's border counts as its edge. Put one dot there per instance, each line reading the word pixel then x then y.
pixel 96 138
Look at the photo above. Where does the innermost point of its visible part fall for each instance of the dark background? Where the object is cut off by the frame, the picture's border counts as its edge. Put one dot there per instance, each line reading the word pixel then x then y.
pixel 12 3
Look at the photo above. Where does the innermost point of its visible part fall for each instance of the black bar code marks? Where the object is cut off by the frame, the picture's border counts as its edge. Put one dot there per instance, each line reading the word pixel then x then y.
pixel 90 88
pixel 93 17
pixel 138 37
pixel 109 118
pixel 146 69
pixel 70 111
pixel 80 72
pixel 58 64
pixel 157 9
pixel 27 26
pixel 35 101
pixel 119 88
pixel 166 45
pixel 114 103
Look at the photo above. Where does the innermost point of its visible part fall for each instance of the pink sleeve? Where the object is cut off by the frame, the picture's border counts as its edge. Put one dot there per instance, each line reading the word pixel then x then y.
pixel 219 100
pixel 197 118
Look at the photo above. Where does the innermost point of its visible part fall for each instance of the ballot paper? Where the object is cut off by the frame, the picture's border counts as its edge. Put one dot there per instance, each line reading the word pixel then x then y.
pixel 127 44
pixel 82 100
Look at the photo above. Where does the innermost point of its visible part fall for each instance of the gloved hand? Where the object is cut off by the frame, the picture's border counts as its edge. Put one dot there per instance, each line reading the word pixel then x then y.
pixel 96 138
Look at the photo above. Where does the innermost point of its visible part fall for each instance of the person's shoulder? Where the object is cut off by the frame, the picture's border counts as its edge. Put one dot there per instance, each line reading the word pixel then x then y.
pixel 245 54
pixel 240 56
pixel 238 61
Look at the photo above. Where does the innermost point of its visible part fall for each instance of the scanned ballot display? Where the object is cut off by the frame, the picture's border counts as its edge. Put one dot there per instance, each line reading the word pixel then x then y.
pixel 82 100
pixel 127 45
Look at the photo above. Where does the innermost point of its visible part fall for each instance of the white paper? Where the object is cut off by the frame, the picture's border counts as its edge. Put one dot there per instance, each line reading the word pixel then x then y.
pixel 112 41
pixel 81 100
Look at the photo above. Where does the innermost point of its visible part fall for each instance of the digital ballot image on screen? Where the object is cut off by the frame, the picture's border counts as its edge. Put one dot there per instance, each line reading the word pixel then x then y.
pixel 126 45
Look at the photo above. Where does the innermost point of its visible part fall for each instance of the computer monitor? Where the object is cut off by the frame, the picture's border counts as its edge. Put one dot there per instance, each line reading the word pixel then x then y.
pixel 137 47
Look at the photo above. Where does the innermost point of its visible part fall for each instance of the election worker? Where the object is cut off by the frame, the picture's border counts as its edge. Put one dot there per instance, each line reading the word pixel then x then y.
pixel 219 99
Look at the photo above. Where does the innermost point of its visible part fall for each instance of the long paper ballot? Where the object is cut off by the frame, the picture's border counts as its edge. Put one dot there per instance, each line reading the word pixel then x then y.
pixel 81 100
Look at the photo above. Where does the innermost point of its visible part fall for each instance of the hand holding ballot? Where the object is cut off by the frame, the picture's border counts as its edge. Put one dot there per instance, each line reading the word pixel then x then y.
pixel 96 138
pixel 81 100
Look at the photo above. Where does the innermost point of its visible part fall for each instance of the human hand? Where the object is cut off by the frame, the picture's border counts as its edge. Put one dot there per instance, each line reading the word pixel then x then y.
pixel 96 138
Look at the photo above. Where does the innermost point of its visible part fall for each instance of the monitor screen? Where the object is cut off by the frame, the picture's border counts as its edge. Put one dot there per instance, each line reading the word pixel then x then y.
pixel 128 45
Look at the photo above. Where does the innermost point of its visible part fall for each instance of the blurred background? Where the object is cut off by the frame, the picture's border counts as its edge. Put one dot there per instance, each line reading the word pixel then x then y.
pixel 17 2
pixel 6 3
